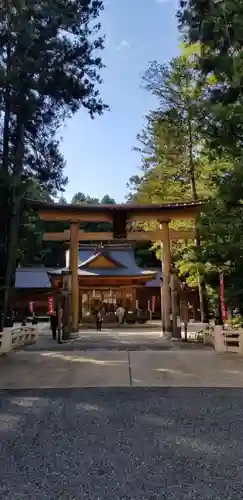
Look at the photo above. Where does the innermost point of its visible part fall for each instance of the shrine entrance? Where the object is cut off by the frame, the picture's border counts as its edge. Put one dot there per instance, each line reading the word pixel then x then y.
pixel 122 218
pixel 107 300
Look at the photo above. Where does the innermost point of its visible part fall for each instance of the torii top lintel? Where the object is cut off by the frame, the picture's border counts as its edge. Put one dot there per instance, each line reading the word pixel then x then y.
pixel 127 211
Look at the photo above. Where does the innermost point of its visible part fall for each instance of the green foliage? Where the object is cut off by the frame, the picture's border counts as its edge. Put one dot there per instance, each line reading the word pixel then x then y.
pixel 236 322
pixel 169 143
pixel 145 257
pixel 49 68
pixel 82 199
pixel 94 227
pixel 32 250
pixel 107 200
pixel 217 26
pixel 177 165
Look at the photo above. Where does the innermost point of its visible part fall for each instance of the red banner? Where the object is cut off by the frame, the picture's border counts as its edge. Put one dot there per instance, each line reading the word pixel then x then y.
pixel 225 313
pixel 50 305
pixel 31 307
pixel 153 303
pixel 222 304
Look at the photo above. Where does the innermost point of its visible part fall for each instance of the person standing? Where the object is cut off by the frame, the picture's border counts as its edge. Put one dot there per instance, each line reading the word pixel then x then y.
pixel 120 314
pixel 54 324
pixel 99 319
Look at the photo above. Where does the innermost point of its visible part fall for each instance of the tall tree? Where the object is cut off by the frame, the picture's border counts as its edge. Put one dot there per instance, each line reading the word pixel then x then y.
pixel 170 142
pixel 175 163
pixel 83 199
pixel 217 25
pixel 107 200
pixel 49 67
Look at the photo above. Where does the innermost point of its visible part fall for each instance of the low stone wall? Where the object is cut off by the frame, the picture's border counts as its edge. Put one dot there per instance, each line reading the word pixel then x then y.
pixel 12 339
pixel 225 339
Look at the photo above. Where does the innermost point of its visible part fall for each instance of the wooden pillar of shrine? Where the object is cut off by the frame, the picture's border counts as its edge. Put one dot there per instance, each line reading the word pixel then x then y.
pixel 174 304
pixel 166 264
pixel 59 318
pixel 73 267
pixel 161 287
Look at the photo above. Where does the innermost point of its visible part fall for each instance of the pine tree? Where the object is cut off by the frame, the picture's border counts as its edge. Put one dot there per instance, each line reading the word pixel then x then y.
pixel 49 68
pixel 217 26
pixel 175 159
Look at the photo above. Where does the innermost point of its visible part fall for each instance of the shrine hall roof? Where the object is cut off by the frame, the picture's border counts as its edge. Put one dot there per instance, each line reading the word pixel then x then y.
pixel 32 277
pixel 122 258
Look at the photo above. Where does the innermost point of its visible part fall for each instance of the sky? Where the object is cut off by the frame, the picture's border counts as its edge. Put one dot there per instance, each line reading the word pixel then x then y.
pixel 99 153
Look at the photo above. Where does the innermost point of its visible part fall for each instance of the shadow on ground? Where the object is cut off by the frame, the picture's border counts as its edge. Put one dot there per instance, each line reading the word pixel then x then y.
pixel 136 444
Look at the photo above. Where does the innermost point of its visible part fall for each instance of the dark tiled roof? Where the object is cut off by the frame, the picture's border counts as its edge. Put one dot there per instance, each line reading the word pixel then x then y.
pixel 124 256
pixel 108 272
pixel 100 253
pixel 32 277
pixel 37 277
pixel 155 282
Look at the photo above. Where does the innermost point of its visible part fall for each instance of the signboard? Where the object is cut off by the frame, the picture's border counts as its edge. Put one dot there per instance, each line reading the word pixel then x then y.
pixel 153 303
pixel 50 305
pixel 31 307
pixel 149 305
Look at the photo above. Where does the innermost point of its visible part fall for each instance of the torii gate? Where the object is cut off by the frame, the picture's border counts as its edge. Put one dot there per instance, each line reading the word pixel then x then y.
pixel 119 215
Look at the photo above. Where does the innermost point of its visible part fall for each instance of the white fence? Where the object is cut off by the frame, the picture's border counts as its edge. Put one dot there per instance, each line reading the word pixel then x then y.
pixel 12 339
pixel 208 336
pixel 225 340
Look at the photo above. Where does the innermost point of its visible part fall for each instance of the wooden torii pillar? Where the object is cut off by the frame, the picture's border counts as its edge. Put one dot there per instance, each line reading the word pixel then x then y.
pixel 166 265
pixel 73 268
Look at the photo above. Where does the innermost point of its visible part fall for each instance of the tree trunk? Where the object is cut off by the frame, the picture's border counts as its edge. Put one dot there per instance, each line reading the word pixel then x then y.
pixel 13 232
pixel 4 219
pixel 5 196
pixel 5 204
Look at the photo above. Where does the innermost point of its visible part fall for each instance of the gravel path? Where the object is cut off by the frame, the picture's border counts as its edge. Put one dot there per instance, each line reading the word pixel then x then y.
pixel 124 444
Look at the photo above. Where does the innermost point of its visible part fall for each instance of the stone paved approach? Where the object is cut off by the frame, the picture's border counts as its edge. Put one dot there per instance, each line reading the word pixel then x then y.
pixel 25 370
pixel 101 368
pixel 109 339
pixel 121 444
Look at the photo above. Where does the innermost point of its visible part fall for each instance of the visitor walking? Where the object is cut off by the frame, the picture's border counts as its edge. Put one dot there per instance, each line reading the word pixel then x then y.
pixel 54 324
pixel 99 319
pixel 120 315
